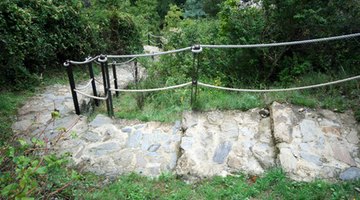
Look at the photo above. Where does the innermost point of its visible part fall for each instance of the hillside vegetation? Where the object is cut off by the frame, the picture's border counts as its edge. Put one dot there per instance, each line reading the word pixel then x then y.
pixel 37 36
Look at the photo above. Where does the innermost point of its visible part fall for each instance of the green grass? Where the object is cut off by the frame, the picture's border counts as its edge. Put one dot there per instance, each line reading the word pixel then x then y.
pixel 162 106
pixel 9 103
pixel 168 106
pixel 273 185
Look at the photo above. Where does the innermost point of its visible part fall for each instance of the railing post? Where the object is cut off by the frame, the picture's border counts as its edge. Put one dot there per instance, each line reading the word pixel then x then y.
pixel 136 73
pixel 148 38
pixel 91 72
pixel 115 78
pixel 196 49
pixel 69 70
pixel 106 81
pixel 111 108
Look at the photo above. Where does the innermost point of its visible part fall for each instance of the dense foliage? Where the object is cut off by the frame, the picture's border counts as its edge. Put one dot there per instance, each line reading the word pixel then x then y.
pixel 39 35
pixel 275 21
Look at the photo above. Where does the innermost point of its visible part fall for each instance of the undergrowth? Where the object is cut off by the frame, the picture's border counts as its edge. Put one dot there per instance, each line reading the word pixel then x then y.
pixel 9 103
pixel 272 185
pixel 167 106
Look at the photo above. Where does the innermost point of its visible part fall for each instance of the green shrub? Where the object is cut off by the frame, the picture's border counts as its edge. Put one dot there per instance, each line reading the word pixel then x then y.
pixel 121 34
pixel 39 35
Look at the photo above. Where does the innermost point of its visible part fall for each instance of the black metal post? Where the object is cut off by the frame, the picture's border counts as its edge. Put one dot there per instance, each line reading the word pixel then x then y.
pixel 102 60
pixel 193 81
pixel 197 76
pixel 149 39
pixel 136 73
pixel 91 72
pixel 115 78
pixel 196 49
pixel 108 86
pixel 72 86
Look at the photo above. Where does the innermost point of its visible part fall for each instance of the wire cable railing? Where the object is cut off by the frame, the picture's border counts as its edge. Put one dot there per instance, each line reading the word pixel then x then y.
pixel 102 60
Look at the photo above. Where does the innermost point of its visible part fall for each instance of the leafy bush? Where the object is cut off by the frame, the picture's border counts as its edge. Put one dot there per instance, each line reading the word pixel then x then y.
pixel 30 169
pixel 120 34
pixel 39 35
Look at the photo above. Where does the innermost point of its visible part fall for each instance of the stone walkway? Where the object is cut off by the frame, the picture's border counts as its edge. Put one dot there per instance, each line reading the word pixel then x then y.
pixel 306 143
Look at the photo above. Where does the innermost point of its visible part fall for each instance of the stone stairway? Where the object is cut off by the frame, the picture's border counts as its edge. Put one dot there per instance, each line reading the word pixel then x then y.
pixel 306 143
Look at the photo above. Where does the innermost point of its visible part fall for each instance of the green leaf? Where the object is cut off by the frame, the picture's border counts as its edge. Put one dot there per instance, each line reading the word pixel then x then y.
pixel 73 135
pixel 75 175
pixel 22 142
pixel 11 152
pixel 55 114
pixel 9 189
pixel 27 198
pixel 41 170
pixel 38 142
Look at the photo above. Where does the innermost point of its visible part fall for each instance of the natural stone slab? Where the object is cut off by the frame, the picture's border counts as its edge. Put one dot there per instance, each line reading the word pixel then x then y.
pixel 217 143
pixel 264 154
pixel 154 147
pixel 309 130
pixel 353 137
pixel 104 148
pixel 320 144
pixel 287 160
pixel 282 122
pixel 311 158
pixel 135 139
pixel 221 152
pixel 91 137
pixel 100 120
pixel 352 173
pixel 342 154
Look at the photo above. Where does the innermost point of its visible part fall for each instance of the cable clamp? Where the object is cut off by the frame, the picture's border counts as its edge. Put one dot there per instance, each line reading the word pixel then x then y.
pixel 102 58
pixel 66 63
pixel 196 48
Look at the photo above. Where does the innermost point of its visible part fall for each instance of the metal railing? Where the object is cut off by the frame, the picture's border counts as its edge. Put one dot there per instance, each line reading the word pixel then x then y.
pixel 196 50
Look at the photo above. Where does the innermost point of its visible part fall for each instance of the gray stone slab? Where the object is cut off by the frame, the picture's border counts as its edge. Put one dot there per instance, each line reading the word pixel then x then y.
pixel 342 154
pixel 311 158
pixel 105 148
pixel 352 173
pixel 127 129
pixel 176 127
pixel 154 147
pixel 91 137
pixel 100 120
pixel 230 129
pixel 134 139
pixel 221 152
pixel 186 143
pixel 309 130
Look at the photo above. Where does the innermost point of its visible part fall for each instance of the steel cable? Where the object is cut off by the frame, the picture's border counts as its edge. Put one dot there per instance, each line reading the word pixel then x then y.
pixel 281 89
